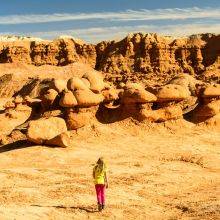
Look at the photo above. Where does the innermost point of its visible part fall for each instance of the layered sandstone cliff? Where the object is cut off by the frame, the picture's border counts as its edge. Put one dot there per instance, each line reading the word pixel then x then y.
pixel 145 57
pixel 150 55
pixel 59 52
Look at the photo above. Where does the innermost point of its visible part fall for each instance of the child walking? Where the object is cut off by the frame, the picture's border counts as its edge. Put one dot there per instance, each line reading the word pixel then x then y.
pixel 101 182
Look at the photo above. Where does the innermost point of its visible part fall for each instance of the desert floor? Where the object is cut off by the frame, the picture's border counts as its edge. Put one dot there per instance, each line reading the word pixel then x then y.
pixel 155 172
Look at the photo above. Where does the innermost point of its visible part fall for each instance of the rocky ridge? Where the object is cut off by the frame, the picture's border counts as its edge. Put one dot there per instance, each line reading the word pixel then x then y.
pixel 137 57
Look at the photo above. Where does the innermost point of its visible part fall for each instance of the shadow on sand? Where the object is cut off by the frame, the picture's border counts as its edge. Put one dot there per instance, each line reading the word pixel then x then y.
pixel 86 209
pixel 21 144
pixel 15 145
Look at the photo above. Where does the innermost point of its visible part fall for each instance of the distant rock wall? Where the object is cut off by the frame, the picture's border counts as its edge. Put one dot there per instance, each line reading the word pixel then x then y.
pixel 59 52
pixel 149 56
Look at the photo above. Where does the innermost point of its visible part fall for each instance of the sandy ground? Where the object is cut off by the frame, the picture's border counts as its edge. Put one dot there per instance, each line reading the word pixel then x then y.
pixel 154 172
pixel 24 71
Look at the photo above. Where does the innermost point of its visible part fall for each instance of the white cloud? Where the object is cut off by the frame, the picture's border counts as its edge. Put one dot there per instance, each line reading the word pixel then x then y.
pixel 107 33
pixel 156 14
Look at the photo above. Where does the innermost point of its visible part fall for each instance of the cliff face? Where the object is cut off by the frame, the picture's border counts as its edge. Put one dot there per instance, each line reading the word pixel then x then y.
pixel 58 52
pixel 149 55
pixel 136 57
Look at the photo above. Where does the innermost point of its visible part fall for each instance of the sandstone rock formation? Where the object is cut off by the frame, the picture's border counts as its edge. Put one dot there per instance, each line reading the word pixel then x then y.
pixel 110 94
pixel 12 117
pixel 146 56
pixel 42 130
pixel 59 85
pixel 67 99
pixel 135 93
pixel 58 52
pixel 162 114
pixel 96 81
pixel 137 57
pixel 61 140
pixel 212 91
pixel 86 98
pixel 77 118
pixel 48 98
pixel 76 83
pixel 172 92
pixel 144 76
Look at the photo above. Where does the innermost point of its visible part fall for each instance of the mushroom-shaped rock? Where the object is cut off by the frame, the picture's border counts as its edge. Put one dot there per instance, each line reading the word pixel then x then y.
pixel 172 92
pixel 211 91
pixel 210 109
pixel 75 83
pixel 49 96
pixel 67 99
pixel 49 99
pixel 75 120
pixel 135 93
pixel 163 114
pixel 59 85
pixel 96 81
pixel 87 98
pixel 185 80
pixel 110 94
pixel 61 140
pixel 45 129
pixel 189 104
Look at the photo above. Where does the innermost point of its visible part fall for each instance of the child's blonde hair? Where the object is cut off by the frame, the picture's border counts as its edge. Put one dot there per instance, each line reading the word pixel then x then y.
pixel 101 163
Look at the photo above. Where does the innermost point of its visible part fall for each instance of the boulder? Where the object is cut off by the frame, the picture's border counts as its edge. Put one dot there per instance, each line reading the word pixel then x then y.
pixel 12 118
pixel 75 120
pixel 76 83
pixel 172 92
pixel 211 91
pixel 61 140
pixel 163 114
pixel 135 93
pixel 67 99
pixel 96 81
pixel 44 129
pixel 59 85
pixel 15 135
pixel 87 98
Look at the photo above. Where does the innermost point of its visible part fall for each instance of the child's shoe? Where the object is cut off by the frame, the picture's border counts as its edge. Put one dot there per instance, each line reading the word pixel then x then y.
pixel 99 207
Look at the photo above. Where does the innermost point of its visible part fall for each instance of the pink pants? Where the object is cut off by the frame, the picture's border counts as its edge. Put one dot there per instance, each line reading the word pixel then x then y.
pixel 100 193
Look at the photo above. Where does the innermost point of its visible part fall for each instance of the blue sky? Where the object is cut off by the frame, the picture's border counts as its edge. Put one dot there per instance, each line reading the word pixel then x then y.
pixel 96 20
